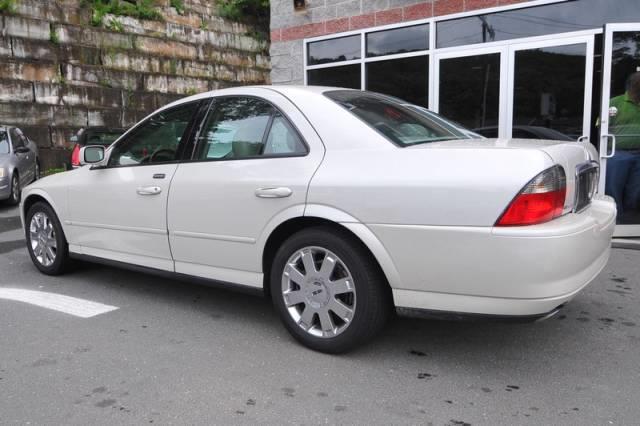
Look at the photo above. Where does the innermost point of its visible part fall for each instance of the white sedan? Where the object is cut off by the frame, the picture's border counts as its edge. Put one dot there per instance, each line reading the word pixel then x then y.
pixel 338 204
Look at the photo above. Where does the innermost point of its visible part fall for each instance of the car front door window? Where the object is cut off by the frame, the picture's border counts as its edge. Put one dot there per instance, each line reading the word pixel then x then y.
pixel 17 140
pixel 156 140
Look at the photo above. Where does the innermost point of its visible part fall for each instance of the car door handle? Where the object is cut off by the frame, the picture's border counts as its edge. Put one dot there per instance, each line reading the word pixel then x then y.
pixel 280 192
pixel 149 190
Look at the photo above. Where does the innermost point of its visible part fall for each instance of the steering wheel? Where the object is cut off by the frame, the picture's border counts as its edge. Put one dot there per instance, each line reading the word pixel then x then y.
pixel 152 157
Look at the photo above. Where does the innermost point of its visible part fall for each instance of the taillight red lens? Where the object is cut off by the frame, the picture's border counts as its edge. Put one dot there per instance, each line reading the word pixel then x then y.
pixel 75 155
pixel 540 201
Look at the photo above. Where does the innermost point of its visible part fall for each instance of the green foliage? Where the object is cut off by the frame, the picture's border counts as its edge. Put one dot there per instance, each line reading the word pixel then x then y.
pixel 203 25
pixel 53 36
pixel 257 35
pixel 7 6
pixel 115 25
pixel 54 170
pixel 190 91
pixel 178 5
pixel 140 9
pixel 241 10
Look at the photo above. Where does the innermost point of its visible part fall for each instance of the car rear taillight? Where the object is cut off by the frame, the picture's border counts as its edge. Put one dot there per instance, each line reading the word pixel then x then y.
pixel 75 156
pixel 541 200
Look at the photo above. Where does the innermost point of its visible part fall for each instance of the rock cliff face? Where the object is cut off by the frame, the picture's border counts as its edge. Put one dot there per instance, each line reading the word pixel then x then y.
pixel 59 73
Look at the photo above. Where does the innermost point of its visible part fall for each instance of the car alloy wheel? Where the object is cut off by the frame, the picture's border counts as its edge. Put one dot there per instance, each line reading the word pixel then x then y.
pixel 15 189
pixel 319 292
pixel 42 238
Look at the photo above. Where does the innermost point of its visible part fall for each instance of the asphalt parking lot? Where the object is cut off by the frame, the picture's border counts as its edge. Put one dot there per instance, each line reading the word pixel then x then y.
pixel 177 353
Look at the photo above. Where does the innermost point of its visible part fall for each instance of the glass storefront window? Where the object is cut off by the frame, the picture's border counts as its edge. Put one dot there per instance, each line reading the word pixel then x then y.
pixel 334 50
pixel 623 168
pixel 470 91
pixel 535 21
pixel 406 78
pixel 398 40
pixel 347 76
pixel 549 90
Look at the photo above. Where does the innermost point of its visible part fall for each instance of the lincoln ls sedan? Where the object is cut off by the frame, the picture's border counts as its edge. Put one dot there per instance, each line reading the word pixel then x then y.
pixel 340 205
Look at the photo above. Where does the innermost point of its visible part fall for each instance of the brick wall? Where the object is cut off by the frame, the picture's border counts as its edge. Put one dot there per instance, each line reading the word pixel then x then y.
pixel 322 17
pixel 58 73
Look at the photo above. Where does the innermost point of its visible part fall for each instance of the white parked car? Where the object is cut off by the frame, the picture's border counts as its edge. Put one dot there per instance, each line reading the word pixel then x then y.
pixel 338 204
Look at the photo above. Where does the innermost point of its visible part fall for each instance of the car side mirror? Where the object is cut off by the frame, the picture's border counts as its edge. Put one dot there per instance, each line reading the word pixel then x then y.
pixel 91 154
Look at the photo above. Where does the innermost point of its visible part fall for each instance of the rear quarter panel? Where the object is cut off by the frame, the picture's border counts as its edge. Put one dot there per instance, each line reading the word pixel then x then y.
pixel 439 186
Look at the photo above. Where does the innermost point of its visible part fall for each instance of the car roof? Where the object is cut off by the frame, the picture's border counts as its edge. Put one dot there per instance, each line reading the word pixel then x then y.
pixel 282 89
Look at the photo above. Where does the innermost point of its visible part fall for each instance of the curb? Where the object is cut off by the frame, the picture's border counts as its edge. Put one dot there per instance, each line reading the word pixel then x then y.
pixel 629 244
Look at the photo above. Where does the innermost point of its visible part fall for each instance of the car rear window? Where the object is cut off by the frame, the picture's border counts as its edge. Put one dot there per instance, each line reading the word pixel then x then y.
pixel 401 122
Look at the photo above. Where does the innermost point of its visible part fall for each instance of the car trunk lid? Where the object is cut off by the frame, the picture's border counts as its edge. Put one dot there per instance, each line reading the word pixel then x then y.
pixel 577 158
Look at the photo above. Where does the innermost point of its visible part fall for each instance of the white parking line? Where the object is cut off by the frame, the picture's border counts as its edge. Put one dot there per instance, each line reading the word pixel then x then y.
pixel 69 305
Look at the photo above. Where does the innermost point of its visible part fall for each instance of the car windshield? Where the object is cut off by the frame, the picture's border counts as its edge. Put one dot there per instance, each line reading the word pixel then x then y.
pixel 399 121
pixel 4 142
pixel 104 138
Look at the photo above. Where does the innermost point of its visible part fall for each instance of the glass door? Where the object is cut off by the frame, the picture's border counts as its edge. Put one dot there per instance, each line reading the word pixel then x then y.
pixel 551 84
pixel 620 124
pixel 471 89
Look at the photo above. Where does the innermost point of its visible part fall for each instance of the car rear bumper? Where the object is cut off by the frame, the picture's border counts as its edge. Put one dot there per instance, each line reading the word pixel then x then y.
pixel 518 271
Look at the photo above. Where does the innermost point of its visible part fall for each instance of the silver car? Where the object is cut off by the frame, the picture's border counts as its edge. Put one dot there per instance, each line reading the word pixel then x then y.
pixel 19 163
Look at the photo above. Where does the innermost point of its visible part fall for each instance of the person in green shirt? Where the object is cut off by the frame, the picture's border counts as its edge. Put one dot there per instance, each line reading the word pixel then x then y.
pixel 623 169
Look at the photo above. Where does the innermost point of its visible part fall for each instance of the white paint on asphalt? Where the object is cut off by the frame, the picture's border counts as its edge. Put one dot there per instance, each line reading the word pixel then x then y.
pixel 69 305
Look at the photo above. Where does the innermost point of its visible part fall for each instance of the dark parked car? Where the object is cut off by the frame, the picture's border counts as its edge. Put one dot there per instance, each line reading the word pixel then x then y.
pixel 104 136
pixel 19 163
pixel 526 132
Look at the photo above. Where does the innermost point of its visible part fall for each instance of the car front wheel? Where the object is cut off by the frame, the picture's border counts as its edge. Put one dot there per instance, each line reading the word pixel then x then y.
pixel 14 198
pixel 328 290
pixel 45 240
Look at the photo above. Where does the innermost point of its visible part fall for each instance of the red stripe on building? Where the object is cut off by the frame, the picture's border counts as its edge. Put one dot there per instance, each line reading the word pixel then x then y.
pixel 385 17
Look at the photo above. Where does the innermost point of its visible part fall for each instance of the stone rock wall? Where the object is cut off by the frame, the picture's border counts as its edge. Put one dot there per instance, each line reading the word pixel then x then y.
pixel 59 74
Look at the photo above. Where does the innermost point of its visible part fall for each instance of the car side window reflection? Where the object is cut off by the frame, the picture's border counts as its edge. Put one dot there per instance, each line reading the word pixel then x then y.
pixel 17 140
pixel 245 127
pixel 156 140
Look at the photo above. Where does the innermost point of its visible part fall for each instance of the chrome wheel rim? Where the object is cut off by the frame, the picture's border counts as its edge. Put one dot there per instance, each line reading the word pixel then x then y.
pixel 319 292
pixel 42 238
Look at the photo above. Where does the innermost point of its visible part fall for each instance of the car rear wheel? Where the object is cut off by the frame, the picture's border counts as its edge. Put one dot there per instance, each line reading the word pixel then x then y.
pixel 46 242
pixel 328 290
pixel 14 198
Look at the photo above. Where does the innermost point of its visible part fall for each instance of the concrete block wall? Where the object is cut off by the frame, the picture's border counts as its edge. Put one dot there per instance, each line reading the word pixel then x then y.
pixel 58 73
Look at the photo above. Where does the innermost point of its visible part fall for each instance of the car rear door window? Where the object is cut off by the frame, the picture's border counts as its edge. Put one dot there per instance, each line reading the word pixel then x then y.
pixel 245 127
pixel 4 142
pixel 156 140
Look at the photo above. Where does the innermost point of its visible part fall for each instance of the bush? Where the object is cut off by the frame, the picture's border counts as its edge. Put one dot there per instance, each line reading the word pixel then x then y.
pixel 141 9
pixel 240 10
pixel 178 5
pixel 7 6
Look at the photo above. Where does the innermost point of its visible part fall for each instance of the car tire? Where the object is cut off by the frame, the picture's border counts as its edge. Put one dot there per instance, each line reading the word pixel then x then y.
pixel 46 241
pixel 352 279
pixel 36 171
pixel 16 192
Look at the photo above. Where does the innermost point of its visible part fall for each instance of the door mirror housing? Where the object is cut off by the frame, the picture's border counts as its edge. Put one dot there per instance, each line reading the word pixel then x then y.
pixel 21 150
pixel 91 154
